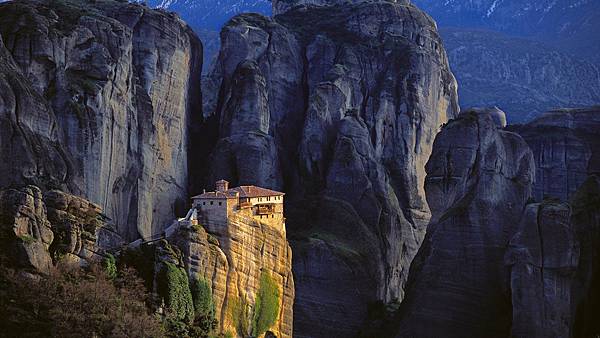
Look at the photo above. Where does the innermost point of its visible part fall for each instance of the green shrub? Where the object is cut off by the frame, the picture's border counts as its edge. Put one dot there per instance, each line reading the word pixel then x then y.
pixel 27 239
pixel 110 266
pixel 266 309
pixel 238 310
pixel 204 308
pixel 203 300
pixel 174 287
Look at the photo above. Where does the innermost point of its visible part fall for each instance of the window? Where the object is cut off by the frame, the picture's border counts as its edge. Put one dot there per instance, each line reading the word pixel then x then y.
pixel 220 203
pixel 203 203
pixel 211 202
pixel 268 198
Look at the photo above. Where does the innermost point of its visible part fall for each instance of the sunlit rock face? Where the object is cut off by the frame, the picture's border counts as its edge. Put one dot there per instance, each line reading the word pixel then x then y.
pixel 338 106
pixel 236 257
pixel 100 98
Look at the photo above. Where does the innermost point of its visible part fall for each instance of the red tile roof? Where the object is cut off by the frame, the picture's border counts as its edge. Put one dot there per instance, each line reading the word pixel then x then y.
pixel 243 191
pixel 254 191
pixel 216 195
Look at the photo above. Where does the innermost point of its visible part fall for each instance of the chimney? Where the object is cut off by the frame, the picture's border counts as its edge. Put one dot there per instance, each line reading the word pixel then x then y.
pixel 222 185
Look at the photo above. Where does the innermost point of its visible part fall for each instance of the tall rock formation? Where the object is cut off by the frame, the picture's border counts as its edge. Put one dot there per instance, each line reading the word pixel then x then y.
pixel 566 147
pixel 478 181
pixel 337 105
pixel 99 96
pixel 543 256
pixel 240 259
pixel 28 131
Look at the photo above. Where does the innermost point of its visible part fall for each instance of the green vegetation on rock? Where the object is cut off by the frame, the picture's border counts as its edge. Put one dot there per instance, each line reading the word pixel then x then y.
pixel 27 239
pixel 266 309
pixel 110 266
pixel 202 296
pixel 204 322
pixel 238 311
pixel 174 287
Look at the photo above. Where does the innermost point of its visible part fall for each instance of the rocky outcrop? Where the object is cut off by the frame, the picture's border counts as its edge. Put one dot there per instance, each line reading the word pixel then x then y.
pixel 566 147
pixel 338 106
pixel 478 181
pixel 100 96
pixel 79 226
pixel 26 232
pixel 543 257
pixel 38 230
pixel 236 259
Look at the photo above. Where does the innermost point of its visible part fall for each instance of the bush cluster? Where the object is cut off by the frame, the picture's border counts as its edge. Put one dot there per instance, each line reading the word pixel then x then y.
pixel 266 309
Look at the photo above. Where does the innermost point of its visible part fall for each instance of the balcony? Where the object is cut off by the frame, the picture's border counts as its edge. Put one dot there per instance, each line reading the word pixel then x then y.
pixel 244 205
pixel 265 209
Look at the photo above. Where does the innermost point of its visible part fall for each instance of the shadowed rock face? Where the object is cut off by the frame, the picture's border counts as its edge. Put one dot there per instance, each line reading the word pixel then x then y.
pixel 543 256
pixel 99 97
pixel 586 219
pixel 338 106
pixel 566 147
pixel 25 232
pixel 478 181
pixel 29 141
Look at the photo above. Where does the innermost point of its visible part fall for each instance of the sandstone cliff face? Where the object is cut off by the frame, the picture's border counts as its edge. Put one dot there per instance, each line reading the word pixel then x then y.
pixel 103 95
pixel 566 147
pixel 235 258
pixel 338 106
pixel 478 181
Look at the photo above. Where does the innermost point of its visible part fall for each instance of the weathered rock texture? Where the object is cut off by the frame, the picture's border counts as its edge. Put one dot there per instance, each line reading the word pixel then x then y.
pixel 99 97
pixel 586 219
pixel 79 226
pixel 26 231
pixel 338 106
pixel 478 181
pixel 233 258
pixel 38 229
pixel 566 147
pixel 29 141
pixel 543 257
